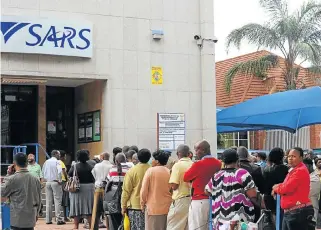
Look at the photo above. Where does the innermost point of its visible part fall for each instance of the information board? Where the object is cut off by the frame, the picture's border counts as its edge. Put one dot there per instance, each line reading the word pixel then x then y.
pixel 89 127
pixel 170 130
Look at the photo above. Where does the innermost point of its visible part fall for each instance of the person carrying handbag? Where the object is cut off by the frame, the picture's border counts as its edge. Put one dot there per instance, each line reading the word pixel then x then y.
pixel 81 187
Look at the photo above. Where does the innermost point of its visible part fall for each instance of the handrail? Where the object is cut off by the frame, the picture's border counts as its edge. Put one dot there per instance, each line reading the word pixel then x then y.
pixel 37 145
pixel 43 149
pixel 16 149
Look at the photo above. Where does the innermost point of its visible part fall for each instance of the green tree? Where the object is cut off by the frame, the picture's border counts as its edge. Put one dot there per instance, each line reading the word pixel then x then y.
pixel 297 35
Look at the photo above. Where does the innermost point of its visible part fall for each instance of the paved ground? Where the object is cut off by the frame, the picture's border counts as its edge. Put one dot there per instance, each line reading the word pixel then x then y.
pixel 41 225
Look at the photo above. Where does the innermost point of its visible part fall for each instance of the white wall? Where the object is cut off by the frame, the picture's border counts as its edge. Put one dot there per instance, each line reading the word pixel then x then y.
pixel 124 52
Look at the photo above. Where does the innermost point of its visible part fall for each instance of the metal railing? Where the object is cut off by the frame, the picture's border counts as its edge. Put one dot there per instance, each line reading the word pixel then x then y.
pixel 38 147
pixel 15 149
pixel 23 148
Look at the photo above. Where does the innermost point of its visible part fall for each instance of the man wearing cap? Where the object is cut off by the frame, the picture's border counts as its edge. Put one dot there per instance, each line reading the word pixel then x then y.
pixel 177 217
pixel 199 174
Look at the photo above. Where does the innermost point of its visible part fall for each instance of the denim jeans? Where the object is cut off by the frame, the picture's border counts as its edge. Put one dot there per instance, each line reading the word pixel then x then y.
pixel 299 219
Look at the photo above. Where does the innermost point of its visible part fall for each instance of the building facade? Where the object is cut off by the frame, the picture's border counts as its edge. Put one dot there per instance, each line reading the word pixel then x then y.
pixel 94 74
pixel 247 87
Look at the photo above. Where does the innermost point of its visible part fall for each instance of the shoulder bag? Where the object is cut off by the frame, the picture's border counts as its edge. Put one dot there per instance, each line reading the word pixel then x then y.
pixel 112 197
pixel 73 184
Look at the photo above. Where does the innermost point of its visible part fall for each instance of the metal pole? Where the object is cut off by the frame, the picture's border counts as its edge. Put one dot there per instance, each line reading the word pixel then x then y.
pixel 37 154
pixel 210 220
pixel 278 212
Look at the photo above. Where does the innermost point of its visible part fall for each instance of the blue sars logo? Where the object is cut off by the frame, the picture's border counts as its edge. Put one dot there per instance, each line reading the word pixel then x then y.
pixel 40 35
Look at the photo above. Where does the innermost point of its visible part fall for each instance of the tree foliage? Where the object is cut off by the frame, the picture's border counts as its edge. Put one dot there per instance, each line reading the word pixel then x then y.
pixel 296 35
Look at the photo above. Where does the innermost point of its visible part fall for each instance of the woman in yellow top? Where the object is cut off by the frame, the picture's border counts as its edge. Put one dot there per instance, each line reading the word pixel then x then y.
pixel 130 198
pixel 65 194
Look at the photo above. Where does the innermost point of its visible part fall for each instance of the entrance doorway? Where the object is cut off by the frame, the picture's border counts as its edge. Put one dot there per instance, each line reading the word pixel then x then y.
pixel 60 119
pixel 18 119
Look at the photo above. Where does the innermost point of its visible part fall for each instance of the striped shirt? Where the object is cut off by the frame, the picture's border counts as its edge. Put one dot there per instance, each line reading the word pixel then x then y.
pixel 228 195
pixel 113 173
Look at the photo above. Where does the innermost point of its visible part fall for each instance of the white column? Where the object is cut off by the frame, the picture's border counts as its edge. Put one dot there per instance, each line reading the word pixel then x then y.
pixel 208 79
pixel 106 117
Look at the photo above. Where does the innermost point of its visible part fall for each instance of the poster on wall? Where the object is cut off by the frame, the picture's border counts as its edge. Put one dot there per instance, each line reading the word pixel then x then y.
pixel 96 126
pixel 52 127
pixel 157 75
pixel 89 127
pixel 81 128
pixel 170 130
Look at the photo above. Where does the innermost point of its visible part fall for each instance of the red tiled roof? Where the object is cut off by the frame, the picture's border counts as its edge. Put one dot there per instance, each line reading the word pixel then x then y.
pixel 247 87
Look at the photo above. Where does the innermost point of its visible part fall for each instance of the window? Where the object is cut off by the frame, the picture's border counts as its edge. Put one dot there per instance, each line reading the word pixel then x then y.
pixel 227 140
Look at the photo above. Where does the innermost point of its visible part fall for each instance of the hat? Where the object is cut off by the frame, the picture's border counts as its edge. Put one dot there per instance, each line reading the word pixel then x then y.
pixel 243 153
pixel 229 156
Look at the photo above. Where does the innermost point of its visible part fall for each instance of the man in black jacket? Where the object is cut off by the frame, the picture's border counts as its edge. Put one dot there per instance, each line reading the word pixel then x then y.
pixel 253 169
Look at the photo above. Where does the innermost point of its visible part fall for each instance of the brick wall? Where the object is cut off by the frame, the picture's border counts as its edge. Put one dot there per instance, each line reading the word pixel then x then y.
pixel 246 87
pixel 315 132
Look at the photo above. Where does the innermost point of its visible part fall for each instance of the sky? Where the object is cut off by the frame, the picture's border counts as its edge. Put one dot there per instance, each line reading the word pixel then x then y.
pixel 232 14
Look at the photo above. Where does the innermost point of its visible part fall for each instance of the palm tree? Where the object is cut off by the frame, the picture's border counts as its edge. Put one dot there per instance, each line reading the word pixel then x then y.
pixel 297 36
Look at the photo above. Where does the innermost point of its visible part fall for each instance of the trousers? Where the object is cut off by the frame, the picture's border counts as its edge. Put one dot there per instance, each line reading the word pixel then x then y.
pixel 299 219
pixel 54 195
pixel 177 218
pixel 198 216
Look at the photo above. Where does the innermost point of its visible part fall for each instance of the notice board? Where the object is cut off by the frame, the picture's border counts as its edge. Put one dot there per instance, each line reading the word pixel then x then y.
pixel 89 127
pixel 170 130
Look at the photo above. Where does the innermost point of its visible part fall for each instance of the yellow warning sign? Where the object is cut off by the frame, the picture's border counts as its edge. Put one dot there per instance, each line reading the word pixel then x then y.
pixel 157 75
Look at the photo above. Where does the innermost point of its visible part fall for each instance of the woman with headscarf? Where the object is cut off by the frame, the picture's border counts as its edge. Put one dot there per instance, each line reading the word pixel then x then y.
pixel 155 197
pixel 233 193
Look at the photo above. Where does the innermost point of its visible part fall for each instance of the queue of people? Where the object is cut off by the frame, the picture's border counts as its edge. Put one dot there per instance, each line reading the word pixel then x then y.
pixel 162 195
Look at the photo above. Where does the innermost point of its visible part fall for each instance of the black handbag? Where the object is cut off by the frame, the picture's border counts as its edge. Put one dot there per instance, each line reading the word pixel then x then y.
pixel 112 198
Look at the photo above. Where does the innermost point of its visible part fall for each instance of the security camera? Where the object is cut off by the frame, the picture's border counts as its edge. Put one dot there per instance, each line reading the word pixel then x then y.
pixel 215 40
pixel 197 37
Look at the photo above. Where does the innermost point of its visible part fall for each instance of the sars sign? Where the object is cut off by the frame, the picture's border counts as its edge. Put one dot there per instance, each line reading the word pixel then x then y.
pixel 46 36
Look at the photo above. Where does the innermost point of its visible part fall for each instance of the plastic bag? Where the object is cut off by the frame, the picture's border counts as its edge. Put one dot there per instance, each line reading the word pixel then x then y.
pixel 126 223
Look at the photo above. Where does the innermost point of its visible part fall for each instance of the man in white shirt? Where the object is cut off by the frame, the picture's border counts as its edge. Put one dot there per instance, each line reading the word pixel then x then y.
pixel 52 172
pixel 101 171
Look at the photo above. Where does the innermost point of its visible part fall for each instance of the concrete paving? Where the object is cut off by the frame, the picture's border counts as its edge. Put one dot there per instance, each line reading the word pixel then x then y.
pixel 41 225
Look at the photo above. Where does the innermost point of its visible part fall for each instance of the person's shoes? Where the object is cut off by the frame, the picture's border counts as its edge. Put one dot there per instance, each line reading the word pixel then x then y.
pixel 67 219
pixel 49 223
pixel 61 223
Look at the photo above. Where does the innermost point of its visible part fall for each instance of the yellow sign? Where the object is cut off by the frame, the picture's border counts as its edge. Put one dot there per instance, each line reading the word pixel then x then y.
pixel 157 75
